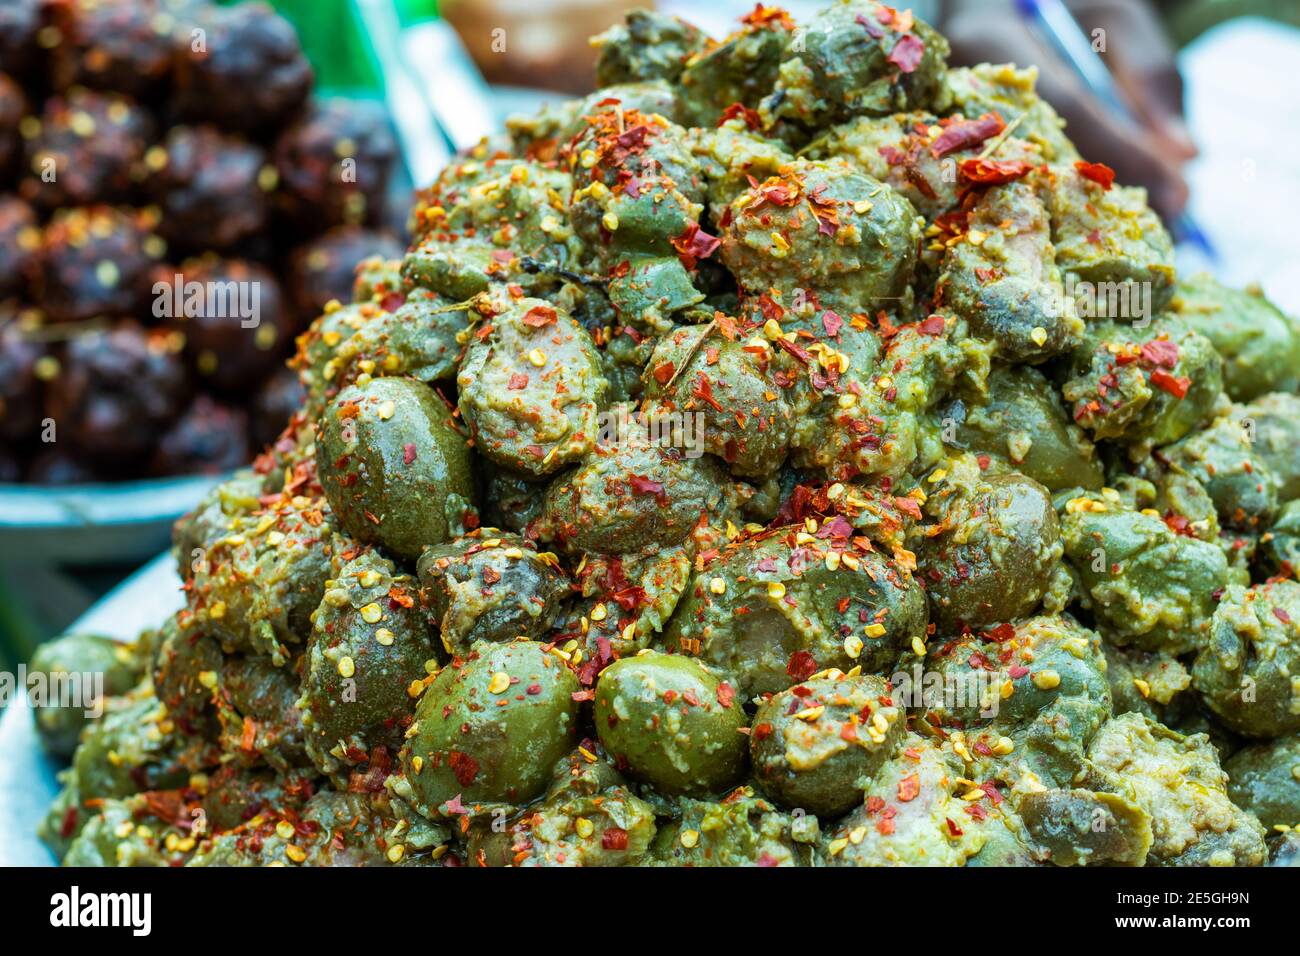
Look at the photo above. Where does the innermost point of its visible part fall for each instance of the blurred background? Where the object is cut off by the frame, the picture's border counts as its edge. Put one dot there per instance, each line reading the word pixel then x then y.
pixel 1196 101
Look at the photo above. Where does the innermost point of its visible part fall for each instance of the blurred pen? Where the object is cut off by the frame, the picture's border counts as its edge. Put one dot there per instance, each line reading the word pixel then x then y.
pixel 1055 21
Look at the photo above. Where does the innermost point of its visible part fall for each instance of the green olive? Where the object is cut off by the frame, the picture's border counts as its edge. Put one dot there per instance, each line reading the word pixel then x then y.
pixel 846 62
pixel 1265 779
pixel 491 726
pixel 748 422
pixel 490 586
pixel 1259 343
pixel 994 555
pixel 1022 422
pixel 85 665
pixel 1148 586
pixel 531 388
pixel 1009 289
pixel 630 495
pixel 815 745
pixel 369 644
pixel 1246 672
pixel 671 723
pixel 648 46
pixel 391 464
pixel 856 250
pixel 772 610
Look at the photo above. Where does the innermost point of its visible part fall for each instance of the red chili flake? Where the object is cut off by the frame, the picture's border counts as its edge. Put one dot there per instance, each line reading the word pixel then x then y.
pixel 614 838
pixel 533 689
pixel 1159 352
pixel 1175 385
pixel 249 735
pixel 741 111
pixel 538 316
pixel 992 172
pixel 832 323
pixel 408 453
pixel 1099 173
pixel 634 138
pixel 578 696
pixel 953 829
pixel 761 731
pixel 801 665
pixel 1281 615
pixel 1178 524
pixel 1001 633
pixel 982 748
pixel 726 694
pixel 909 788
pixel 703 390
pixel 917 179
pixel 991 788
pixel 1017 671
pixel 644 486
pixel 766 860
pixel 885 825
pixel 491 575
pixel 908 506
pixel 455 807
pixel 630 597
pixel 694 244
pixel 907 52
pixel 463 766
pixel 963 134
pixel 893 155
pixel 663 372
pixel 872 30
pixel 933 325
pixel 836 527
pixel 770 307
pixel 761 16
pixel 519 380
pixel 798 351
pixel 69 824
pixel 984 462
pixel 780 193
pixel 503 256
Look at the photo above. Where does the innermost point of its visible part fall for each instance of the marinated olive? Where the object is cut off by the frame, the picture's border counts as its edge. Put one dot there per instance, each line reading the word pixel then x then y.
pixel 490 727
pixel 671 723
pixel 394 468
pixel 817 744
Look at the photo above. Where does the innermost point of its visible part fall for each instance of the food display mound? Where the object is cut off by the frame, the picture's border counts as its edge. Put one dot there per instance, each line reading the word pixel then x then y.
pixel 165 176
pixel 793 454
